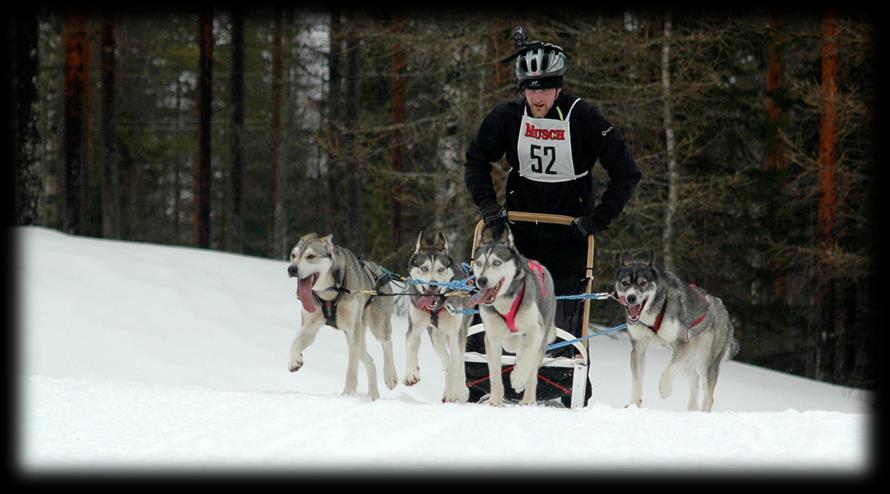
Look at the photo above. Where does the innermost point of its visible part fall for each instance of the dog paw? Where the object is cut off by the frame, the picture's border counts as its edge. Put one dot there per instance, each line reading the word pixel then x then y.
pixel 391 381
pixel 494 401
pixel 527 400
pixel 638 404
pixel 411 379
pixel 459 396
pixel 463 394
pixel 295 365
pixel 518 381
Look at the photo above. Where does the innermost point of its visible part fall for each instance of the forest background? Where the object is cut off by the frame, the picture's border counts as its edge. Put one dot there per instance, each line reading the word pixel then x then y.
pixel 240 129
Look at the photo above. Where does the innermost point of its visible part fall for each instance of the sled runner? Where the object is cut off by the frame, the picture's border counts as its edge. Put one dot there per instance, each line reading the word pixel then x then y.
pixel 563 374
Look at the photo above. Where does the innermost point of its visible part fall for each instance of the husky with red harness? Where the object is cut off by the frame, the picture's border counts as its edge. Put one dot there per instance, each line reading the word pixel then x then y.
pixel 664 311
pixel 518 309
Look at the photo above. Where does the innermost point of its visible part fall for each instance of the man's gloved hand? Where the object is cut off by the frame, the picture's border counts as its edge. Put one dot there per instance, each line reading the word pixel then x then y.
pixel 583 226
pixel 494 216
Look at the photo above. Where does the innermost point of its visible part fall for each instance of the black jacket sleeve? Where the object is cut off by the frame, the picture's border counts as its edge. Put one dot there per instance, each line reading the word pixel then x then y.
pixel 488 147
pixel 624 174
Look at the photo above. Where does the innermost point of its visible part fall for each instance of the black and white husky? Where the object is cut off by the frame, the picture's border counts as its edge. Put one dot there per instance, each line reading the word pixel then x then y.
pixel 335 289
pixel 433 262
pixel 663 310
pixel 518 310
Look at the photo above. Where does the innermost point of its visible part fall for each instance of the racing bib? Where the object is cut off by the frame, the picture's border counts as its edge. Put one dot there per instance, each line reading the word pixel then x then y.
pixel 545 149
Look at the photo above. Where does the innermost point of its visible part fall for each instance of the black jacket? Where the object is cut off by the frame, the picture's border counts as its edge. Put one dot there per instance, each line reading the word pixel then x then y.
pixel 593 138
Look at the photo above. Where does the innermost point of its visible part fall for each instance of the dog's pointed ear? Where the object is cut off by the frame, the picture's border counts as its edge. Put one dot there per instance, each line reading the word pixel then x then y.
pixel 651 261
pixel 419 242
pixel 507 236
pixel 486 235
pixel 328 241
pixel 303 240
pixel 626 258
pixel 441 243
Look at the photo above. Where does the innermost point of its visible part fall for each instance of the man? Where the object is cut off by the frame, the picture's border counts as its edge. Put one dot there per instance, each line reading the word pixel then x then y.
pixel 551 140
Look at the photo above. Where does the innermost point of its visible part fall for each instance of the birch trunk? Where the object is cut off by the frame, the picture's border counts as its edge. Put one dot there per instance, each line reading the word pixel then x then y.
pixel 673 176
pixel 398 118
pixel 275 239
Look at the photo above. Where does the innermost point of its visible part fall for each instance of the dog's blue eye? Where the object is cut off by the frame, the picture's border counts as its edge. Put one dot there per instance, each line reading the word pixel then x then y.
pixel 424 269
pixel 441 270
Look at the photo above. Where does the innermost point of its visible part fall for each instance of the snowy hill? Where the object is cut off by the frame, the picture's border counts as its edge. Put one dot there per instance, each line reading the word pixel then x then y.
pixel 139 357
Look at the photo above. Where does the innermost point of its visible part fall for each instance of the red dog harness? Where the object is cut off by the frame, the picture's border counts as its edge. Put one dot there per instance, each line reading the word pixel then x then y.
pixel 510 317
pixel 660 316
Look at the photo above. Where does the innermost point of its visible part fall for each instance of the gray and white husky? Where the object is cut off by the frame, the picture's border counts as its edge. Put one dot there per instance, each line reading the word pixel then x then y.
pixel 663 310
pixel 432 261
pixel 518 310
pixel 334 289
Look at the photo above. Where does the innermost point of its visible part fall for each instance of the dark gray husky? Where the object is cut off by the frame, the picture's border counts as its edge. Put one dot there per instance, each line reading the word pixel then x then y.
pixel 663 310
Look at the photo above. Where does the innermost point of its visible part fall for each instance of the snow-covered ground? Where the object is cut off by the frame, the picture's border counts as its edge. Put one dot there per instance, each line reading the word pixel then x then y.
pixel 147 358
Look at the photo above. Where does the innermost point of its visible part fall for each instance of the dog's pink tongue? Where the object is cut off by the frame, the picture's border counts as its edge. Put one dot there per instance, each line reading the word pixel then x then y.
pixel 304 293
pixel 482 297
pixel 634 310
pixel 425 301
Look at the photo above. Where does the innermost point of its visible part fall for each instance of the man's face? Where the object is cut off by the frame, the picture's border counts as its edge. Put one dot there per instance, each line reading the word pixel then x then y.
pixel 541 100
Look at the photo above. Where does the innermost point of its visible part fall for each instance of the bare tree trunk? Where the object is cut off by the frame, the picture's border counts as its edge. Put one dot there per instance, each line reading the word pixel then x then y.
pixel 275 223
pixel 26 141
pixel 398 118
pixel 673 176
pixel 91 196
pixel 110 168
pixel 355 206
pixel 776 154
pixel 236 230
pixel 76 71
pixel 201 169
pixel 502 39
pixel 333 118
pixel 289 116
pixel 177 185
pixel 827 240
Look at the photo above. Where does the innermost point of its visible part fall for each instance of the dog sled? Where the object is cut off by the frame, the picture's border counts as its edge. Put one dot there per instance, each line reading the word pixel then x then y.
pixel 563 373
